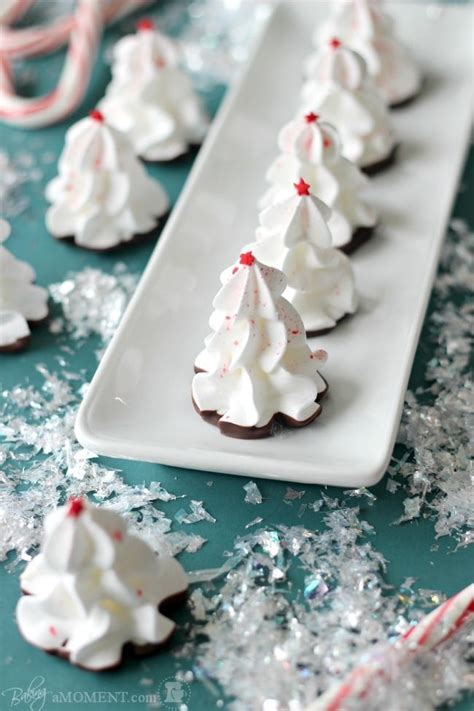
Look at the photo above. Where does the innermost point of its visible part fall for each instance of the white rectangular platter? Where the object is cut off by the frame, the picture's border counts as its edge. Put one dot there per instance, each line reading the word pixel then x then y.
pixel 139 404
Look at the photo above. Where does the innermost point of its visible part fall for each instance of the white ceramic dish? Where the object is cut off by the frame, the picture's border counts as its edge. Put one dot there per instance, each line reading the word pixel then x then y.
pixel 139 406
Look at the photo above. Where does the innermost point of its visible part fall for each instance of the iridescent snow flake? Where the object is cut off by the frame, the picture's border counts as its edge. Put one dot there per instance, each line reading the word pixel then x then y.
pixel 437 423
pixel 252 493
pixel 198 513
pixel 93 302
pixel 269 648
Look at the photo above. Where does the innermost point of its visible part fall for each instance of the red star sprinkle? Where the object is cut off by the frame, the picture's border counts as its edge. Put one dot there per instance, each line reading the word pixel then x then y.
pixel 247 258
pixel 326 142
pixel 117 536
pixel 97 115
pixel 302 188
pixel 53 631
pixel 75 507
pixel 335 43
pixel 311 117
pixel 145 25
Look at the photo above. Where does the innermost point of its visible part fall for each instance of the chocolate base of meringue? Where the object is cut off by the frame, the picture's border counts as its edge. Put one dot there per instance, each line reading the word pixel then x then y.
pixel 21 343
pixel 129 650
pixel 359 237
pixel 380 165
pixel 230 429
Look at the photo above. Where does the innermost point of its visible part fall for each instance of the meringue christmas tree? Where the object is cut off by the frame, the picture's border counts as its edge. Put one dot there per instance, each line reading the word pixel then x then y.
pixel 103 195
pixel 94 587
pixel 22 303
pixel 310 149
pixel 256 366
pixel 341 91
pixel 294 236
pixel 151 99
pixel 364 27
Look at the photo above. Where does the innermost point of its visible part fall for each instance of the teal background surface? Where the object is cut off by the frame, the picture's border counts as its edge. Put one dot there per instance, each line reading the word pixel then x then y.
pixel 406 548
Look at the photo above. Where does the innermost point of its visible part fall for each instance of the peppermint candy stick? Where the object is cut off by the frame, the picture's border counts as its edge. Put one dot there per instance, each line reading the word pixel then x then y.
pixel 32 41
pixel 37 112
pixel 433 629
pixel 12 10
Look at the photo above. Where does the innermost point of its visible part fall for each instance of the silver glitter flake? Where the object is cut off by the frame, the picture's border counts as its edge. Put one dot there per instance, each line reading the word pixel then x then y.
pixel 252 493
pixel 93 302
pixel 436 471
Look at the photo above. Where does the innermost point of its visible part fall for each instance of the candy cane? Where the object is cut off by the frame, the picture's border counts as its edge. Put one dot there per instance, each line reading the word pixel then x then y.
pixel 31 41
pixel 433 629
pixel 12 10
pixel 85 28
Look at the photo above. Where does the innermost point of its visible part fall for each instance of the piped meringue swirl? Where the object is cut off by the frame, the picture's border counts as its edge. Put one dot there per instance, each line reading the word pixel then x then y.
pixel 364 27
pixel 151 99
pixel 310 149
pixel 94 587
pixel 256 362
pixel 294 236
pixel 102 195
pixel 341 91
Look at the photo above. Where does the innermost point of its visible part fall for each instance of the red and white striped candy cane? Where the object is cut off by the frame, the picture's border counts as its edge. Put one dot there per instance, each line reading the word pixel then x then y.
pixel 32 41
pixel 12 10
pixel 37 112
pixel 84 28
pixel 433 629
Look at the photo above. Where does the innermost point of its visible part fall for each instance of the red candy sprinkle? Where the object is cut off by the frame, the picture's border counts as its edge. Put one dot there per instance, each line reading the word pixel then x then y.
pixel 145 24
pixel 97 115
pixel 117 536
pixel 75 507
pixel 52 631
pixel 326 143
pixel 302 188
pixel 311 117
pixel 247 258
pixel 335 43
pixel 139 592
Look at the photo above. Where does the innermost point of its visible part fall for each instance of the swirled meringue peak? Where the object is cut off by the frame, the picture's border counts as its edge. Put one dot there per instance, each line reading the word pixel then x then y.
pixel 294 236
pixel 102 196
pixel 256 365
pixel 21 301
pixel 94 587
pixel 310 149
pixel 364 26
pixel 151 99
pixel 342 92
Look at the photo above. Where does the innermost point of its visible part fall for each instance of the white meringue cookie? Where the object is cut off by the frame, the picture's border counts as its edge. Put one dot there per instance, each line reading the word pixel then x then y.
pixel 256 362
pixel 94 587
pixel 341 91
pixel 364 27
pixel 21 301
pixel 310 149
pixel 103 196
pixel 151 100
pixel 294 236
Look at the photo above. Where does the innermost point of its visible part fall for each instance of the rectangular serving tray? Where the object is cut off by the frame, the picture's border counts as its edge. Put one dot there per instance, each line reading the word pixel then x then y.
pixel 139 404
